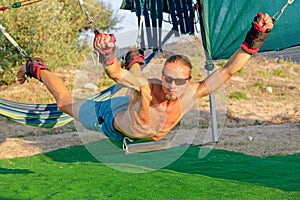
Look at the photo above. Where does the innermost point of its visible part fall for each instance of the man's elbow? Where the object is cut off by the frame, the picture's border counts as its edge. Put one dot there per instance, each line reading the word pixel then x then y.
pixel 226 74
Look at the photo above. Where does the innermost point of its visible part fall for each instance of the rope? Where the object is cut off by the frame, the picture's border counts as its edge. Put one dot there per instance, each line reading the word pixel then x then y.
pixel 19 4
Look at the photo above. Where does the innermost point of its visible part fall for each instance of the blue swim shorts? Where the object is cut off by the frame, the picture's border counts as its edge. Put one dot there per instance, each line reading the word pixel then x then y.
pixel 99 115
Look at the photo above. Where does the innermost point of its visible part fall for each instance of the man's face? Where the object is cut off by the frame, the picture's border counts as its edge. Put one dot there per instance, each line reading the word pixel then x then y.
pixel 175 78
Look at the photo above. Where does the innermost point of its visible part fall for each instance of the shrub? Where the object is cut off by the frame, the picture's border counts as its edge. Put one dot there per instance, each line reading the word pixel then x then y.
pixel 49 29
pixel 238 95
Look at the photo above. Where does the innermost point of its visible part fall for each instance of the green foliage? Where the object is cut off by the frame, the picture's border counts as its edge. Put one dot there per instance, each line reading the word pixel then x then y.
pixel 279 72
pixel 105 81
pixel 224 62
pixel 238 95
pixel 260 85
pixel 263 72
pixel 275 72
pixel 49 29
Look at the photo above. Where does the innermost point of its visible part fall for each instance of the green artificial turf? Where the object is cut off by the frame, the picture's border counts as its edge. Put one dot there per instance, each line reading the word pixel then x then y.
pixel 73 173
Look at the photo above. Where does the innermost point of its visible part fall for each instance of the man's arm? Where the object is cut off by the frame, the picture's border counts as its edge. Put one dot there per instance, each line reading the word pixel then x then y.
pixel 122 76
pixel 105 45
pixel 222 75
pixel 262 25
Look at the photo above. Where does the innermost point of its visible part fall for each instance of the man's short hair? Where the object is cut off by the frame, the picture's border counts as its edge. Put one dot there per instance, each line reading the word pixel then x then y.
pixel 181 59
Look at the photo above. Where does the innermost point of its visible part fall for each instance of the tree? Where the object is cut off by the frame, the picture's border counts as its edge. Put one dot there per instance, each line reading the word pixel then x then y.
pixel 49 29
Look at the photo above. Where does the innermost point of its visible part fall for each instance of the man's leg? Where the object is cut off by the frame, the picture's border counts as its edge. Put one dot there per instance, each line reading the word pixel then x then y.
pixel 65 102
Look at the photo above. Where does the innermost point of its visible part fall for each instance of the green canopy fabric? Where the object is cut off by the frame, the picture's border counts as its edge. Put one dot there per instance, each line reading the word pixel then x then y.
pixel 225 24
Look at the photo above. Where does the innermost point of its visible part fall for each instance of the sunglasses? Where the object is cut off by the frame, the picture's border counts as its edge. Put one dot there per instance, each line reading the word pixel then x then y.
pixel 178 81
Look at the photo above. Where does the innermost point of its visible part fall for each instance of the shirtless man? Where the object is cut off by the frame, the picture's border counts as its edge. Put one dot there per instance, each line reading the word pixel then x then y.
pixel 154 106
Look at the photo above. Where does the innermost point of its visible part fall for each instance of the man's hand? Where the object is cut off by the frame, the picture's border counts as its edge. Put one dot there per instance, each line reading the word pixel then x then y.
pixel 105 46
pixel 134 55
pixel 31 68
pixel 265 22
pixel 260 30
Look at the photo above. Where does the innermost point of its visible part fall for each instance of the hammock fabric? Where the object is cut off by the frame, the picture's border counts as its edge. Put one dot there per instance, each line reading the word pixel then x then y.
pixel 44 115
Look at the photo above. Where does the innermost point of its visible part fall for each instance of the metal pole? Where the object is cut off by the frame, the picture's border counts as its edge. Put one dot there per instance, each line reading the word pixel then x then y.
pixel 209 66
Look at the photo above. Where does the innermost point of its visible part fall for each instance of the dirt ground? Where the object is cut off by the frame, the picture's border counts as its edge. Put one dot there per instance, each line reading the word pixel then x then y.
pixel 263 122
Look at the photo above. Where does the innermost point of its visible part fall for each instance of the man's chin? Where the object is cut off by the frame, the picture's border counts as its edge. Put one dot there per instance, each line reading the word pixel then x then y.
pixel 171 97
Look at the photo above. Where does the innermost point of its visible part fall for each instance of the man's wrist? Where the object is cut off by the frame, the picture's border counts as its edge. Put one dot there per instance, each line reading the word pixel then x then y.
pixel 255 37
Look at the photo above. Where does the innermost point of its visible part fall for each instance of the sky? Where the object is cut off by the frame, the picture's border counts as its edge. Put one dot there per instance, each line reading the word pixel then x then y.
pixel 128 24
pixel 129 21
pixel 127 32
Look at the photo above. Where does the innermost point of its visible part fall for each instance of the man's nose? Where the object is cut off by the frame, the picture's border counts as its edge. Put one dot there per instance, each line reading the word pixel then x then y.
pixel 173 84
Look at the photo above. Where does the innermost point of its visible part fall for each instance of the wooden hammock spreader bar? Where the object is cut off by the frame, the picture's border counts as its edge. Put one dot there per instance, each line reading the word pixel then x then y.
pixel 130 147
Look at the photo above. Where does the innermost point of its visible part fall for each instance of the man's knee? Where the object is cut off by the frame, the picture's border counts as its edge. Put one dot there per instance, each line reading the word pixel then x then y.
pixel 68 106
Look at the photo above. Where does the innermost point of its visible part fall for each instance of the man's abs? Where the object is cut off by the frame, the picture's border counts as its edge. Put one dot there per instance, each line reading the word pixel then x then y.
pixel 132 125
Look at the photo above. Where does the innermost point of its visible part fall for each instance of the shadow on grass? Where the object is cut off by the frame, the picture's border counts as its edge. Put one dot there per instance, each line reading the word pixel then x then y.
pixel 14 171
pixel 282 172
pixel 2 198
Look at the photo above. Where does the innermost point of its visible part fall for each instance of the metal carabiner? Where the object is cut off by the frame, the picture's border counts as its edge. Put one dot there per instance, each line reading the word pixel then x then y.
pixel 95 57
pixel 290 1
pixel 278 14
pixel 125 143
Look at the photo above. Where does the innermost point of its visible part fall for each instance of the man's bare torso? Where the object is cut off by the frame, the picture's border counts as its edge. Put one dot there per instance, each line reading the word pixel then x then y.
pixel 149 115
